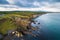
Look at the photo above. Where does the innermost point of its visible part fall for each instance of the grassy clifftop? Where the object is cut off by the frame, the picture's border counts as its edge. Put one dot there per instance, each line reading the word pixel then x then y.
pixel 9 19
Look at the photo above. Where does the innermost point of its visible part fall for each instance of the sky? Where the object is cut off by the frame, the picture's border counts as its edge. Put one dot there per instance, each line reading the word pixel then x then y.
pixel 30 5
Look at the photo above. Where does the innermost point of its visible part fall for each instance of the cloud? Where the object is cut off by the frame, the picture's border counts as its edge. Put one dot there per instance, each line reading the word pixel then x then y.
pixel 37 4
pixel 8 6
pixel 10 1
pixel 17 8
pixel 21 3
pixel 31 5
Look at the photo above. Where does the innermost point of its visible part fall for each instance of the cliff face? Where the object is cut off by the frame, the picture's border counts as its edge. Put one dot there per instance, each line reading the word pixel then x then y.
pixel 23 27
pixel 23 22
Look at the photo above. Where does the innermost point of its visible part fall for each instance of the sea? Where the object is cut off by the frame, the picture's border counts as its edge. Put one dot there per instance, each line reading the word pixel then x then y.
pixel 49 27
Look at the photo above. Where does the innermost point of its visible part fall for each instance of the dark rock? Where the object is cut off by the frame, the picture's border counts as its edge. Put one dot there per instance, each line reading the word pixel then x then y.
pixel 1 36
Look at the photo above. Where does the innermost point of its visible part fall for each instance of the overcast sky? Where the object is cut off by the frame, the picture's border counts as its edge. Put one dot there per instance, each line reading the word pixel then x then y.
pixel 30 5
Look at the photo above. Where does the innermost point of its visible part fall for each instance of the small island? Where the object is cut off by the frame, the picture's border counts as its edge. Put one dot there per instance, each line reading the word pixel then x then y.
pixel 17 24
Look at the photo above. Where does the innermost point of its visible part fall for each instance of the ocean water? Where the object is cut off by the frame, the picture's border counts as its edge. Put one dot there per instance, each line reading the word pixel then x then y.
pixel 49 26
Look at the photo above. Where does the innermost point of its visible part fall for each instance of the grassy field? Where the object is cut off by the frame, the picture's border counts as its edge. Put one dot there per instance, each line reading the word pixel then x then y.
pixel 7 24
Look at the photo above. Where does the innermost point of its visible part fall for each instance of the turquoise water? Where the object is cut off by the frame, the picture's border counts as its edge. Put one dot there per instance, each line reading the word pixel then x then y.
pixel 50 26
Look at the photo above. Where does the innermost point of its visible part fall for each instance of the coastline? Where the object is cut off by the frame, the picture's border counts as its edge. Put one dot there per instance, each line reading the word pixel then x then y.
pixel 22 22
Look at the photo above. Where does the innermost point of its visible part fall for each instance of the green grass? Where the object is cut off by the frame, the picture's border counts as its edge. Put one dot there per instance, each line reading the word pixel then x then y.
pixel 7 25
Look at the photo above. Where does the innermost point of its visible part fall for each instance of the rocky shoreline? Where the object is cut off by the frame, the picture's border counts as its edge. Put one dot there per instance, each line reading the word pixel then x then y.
pixel 23 28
